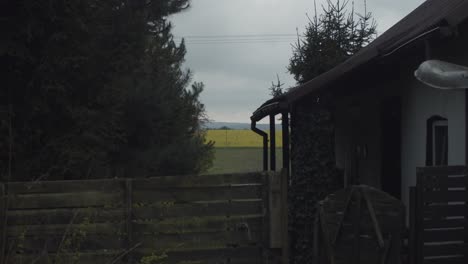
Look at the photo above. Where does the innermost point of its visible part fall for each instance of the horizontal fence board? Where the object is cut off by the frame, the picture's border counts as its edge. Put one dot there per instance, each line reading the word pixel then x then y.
pixel 442 170
pixel 57 230
pixel 78 242
pixel 198 241
pixel 163 210
pixel 443 235
pixel 444 223
pixel 445 196
pixel 197 224
pixel 209 256
pixel 64 200
pixel 446 210
pixel 199 194
pixel 105 185
pixel 197 181
pixel 444 249
pixel 457 182
pixel 447 260
pixel 65 216
pixel 82 258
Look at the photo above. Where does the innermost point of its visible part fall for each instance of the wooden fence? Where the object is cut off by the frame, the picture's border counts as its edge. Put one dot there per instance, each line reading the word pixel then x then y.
pixel 439 216
pixel 188 219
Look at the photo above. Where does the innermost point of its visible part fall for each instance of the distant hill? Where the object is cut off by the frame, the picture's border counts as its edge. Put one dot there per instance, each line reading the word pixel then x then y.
pixel 217 125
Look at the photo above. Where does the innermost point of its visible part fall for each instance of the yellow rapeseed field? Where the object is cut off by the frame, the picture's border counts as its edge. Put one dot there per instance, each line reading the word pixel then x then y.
pixel 238 138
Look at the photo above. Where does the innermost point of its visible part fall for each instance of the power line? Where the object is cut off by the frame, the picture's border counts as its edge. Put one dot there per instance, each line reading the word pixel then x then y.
pixel 236 36
pixel 238 39
pixel 241 39
pixel 237 42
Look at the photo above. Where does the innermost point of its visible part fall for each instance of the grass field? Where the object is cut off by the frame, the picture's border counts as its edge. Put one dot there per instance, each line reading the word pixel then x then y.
pixel 239 138
pixel 239 151
pixel 234 160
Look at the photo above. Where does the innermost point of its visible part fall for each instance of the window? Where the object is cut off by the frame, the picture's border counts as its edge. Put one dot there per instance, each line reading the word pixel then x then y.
pixel 437 141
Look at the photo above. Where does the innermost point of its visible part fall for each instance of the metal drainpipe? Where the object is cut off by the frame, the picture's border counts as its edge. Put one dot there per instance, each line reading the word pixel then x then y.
pixel 285 127
pixel 254 128
pixel 272 143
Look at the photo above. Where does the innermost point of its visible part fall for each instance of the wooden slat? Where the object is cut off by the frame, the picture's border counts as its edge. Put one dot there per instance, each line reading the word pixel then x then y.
pixel 446 223
pixel 64 216
pixel 57 230
pixel 70 242
pixel 65 200
pixel 444 250
pixel 198 194
pixel 202 240
pixel 197 224
pixel 442 170
pixel 446 210
pixel 82 258
pixel 448 260
pixel 196 181
pixel 107 185
pixel 202 209
pixel 456 182
pixel 445 196
pixel 214 255
pixel 443 235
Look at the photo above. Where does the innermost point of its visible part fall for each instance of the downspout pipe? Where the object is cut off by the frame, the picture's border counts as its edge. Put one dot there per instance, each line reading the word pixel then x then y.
pixel 285 128
pixel 264 135
pixel 272 143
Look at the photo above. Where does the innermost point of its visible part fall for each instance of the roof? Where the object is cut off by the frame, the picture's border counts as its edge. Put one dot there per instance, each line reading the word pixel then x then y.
pixel 423 20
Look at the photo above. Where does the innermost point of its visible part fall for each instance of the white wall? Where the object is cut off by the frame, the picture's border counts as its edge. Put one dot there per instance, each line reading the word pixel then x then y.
pixel 420 102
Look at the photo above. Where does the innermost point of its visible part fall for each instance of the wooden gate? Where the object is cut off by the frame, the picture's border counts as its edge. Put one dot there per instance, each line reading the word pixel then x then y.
pixel 438 216
pixel 188 219
pixel 358 224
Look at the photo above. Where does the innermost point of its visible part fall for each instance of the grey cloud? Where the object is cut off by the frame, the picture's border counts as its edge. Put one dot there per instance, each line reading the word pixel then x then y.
pixel 237 75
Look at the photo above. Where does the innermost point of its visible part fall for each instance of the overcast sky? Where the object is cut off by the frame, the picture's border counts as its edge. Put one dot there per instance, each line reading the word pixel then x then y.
pixel 236 47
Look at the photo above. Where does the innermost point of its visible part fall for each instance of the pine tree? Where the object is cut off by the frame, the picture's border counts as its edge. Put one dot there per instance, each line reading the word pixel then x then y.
pixel 330 39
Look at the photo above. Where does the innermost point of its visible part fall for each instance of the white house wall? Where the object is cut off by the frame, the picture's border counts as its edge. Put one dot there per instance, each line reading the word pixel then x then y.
pixel 419 103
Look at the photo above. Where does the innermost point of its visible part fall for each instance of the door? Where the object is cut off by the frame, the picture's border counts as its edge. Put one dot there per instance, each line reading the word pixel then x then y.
pixel 391 146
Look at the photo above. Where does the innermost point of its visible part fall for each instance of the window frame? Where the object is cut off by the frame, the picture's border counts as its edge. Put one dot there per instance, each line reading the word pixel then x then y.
pixel 432 123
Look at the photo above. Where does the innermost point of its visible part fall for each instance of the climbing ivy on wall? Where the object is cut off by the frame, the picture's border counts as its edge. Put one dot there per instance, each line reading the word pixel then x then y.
pixel 314 174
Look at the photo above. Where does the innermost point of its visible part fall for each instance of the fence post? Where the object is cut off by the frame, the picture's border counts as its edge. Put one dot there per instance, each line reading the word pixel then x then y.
pixel 412 226
pixel 275 204
pixel 3 221
pixel 419 229
pixel 284 211
pixel 466 213
pixel 129 216
pixel 278 216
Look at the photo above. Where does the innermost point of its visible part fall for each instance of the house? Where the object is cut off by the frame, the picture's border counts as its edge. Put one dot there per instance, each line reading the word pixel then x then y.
pixel 385 123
